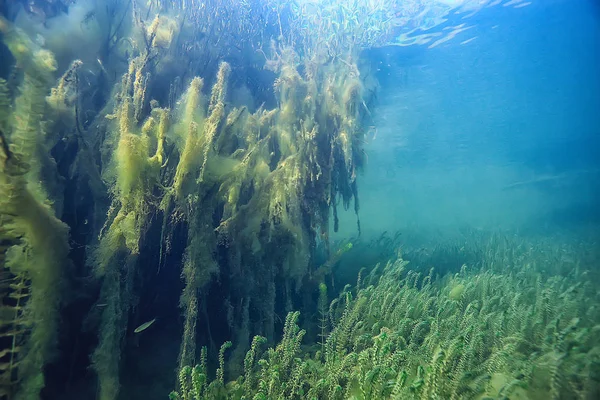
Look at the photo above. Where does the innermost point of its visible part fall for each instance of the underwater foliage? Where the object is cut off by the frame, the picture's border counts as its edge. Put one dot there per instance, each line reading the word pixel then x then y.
pixel 34 246
pixel 400 334
pixel 254 186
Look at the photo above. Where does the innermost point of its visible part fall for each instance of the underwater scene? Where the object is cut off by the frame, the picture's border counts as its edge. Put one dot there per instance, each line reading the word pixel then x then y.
pixel 299 199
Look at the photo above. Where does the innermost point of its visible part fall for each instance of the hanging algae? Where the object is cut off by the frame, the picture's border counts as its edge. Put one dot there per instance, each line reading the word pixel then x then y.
pixel 268 174
pixel 254 188
pixel 295 162
pixel 272 161
pixel 133 174
pixel 33 240
pixel 279 173
pixel 194 169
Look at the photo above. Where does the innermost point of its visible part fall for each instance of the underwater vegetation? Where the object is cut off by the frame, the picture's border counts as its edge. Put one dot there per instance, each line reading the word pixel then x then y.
pixel 246 190
pixel 163 171
pixel 502 329
pixel 34 240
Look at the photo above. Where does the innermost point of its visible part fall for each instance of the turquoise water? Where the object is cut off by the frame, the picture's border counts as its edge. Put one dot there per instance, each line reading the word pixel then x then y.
pixel 501 132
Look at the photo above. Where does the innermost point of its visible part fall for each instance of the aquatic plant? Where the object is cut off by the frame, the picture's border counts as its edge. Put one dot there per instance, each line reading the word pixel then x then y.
pixel 517 333
pixel 271 175
pixel 133 174
pixel 34 246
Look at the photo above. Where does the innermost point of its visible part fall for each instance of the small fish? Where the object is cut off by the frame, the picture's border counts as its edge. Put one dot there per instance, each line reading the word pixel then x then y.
pixel 101 66
pixel 144 326
pixel 344 249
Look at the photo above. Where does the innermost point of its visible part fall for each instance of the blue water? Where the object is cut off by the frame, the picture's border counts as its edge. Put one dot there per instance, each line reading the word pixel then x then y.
pixel 500 132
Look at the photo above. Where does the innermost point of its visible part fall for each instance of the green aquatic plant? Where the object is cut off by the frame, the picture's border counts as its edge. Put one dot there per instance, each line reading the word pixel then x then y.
pixel 34 240
pixel 253 187
pixel 323 315
pixel 517 334
pixel 199 169
pixel 134 150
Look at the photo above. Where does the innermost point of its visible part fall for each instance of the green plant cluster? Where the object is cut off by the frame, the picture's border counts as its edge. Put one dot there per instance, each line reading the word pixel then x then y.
pixel 476 334
pixel 256 187
pixel 33 240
